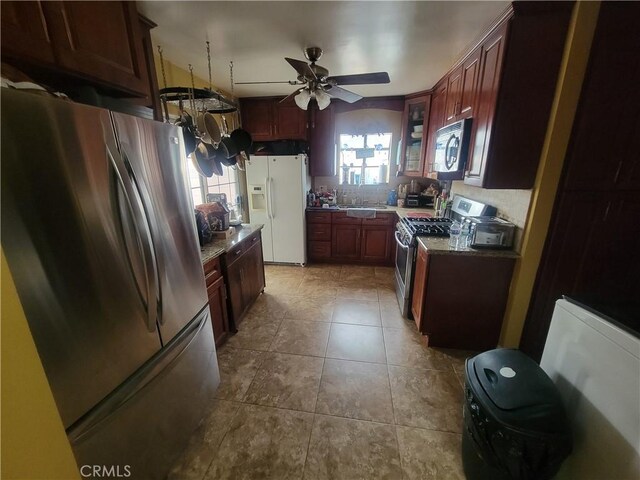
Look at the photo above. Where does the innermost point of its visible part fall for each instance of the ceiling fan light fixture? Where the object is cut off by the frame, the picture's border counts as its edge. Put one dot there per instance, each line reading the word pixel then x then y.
pixel 322 98
pixel 302 99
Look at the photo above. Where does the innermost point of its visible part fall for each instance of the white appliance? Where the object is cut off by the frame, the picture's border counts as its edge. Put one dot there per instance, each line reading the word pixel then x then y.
pixel 277 186
pixel 596 367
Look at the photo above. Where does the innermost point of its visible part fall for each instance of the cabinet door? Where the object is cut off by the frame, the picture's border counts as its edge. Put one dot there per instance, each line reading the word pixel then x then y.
pixel 454 92
pixel 290 121
pixel 257 118
pixel 236 295
pixel 436 121
pixel 101 40
pixel 416 114
pixel 25 34
pixel 254 271
pixel 419 286
pixel 468 84
pixel 345 242
pixel 376 244
pixel 488 84
pixel 322 143
pixel 218 306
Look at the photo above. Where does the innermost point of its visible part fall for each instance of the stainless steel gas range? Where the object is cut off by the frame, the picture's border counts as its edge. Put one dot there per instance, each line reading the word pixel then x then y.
pixel 409 228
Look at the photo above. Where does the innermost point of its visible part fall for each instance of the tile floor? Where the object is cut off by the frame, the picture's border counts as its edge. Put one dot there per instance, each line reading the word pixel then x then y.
pixel 326 380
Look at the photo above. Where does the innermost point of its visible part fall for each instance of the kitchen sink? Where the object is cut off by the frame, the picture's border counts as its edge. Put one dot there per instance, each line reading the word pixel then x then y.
pixel 363 207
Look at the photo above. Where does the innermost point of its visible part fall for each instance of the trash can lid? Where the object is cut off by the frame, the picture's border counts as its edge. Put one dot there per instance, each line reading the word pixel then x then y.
pixel 517 385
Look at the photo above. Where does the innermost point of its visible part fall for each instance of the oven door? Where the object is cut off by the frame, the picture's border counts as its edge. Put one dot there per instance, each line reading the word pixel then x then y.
pixel 403 273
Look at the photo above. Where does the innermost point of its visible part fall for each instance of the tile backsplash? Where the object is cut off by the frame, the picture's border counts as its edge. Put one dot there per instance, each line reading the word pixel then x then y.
pixel 512 205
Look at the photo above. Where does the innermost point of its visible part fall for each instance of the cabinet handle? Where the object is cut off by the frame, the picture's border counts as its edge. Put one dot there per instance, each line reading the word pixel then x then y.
pixel 238 252
pixel 254 239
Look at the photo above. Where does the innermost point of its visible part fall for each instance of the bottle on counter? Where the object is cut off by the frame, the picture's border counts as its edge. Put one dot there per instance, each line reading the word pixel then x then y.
pixel 454 234
pixel 465 234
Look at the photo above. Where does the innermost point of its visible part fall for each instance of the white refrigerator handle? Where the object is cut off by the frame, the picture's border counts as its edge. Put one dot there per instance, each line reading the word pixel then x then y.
pixel 267 187
pixel 273 215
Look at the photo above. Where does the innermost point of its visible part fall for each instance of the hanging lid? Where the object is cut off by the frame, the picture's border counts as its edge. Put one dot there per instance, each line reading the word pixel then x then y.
pixel 522 392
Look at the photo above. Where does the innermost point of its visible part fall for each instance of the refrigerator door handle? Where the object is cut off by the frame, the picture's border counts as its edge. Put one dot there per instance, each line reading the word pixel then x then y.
pixel 267 182
pixel 273 215
pixel 136 383
pixel 122 174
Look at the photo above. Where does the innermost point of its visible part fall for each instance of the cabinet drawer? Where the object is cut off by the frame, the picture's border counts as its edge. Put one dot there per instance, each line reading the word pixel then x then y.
pixel 381 219
pixel 342 219
pixel 239 250
pixel 318 217
pixel 319 232
pixel 212 270
pixel 319 250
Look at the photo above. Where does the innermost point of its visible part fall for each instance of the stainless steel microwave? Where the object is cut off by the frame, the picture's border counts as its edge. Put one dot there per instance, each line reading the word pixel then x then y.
pixel 452 148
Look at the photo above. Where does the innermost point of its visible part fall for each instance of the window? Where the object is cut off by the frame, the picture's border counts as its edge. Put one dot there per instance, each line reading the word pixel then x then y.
pixel 200 186
pixel 364 159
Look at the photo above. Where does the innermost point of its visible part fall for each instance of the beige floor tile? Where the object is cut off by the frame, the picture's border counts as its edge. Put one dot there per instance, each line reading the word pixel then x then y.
pixel 237 369
pixel 430 455
pixel 387 295
pixel 324 273
pixel 312 287
pixel 392 317
pixel 356 342
pixel 269 304
pixel 264 443
pixel 197 457
pixel 354 271
pixel 283 285
pixel 286 381
pixel 384 272
pixel 256 332
pixel 315 309
pixel 355 390
pixel 357 312
pixel 426 398
pixel 406 348
pixel 302 338
pixel 356 291
pixel 345 449
pixel 284 270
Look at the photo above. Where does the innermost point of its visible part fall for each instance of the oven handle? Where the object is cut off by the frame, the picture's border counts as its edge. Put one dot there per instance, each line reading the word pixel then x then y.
pixel 402 245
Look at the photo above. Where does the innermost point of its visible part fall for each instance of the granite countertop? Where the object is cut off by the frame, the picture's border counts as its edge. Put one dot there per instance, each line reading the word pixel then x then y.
pixel 440 245
pixel 219 246
pixel 402 212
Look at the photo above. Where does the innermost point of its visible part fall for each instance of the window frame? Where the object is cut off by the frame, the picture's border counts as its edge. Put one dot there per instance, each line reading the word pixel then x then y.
pixel 364 165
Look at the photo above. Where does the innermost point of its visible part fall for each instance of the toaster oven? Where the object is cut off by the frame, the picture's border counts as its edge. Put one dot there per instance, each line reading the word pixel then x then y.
pixel 491 232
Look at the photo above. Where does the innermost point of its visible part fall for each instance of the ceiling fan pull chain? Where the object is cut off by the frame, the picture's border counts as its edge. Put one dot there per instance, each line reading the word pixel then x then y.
pixel 209 63
pixel 164 75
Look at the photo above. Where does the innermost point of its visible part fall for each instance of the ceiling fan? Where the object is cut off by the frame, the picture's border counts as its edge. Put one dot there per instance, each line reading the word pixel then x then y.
pixel 319 85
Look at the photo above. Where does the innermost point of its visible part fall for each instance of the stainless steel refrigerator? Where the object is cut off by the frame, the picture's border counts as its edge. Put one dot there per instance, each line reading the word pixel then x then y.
pixel 100 237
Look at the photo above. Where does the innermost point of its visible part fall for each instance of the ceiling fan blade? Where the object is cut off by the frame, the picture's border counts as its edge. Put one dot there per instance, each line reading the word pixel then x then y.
pixel 360 79
pixel 291 95
pixel 301 67
pixel 342 94
pixel 290 82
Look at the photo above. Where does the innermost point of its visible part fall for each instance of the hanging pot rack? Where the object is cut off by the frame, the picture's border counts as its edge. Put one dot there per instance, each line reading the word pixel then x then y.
pixel 205 98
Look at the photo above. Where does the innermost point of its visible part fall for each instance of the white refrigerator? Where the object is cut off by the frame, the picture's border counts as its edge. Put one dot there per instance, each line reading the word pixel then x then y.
pixel 277 187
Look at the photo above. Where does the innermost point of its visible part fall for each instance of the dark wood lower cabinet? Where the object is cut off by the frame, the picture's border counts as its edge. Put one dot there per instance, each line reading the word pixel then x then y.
pixel 217 295
pixel 376 243
pixel 459 299
pixel 245 277
pixel 345 242
pixel 333 237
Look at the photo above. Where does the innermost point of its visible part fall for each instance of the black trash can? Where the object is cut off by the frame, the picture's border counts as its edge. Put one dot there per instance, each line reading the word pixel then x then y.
pixel 515 425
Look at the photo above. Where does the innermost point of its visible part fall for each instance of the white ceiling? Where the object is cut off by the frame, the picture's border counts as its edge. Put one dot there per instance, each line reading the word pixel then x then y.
pixel 416 42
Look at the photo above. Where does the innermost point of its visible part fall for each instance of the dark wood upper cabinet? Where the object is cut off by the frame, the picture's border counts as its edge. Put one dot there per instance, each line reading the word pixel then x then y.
pixel 268 119
pixel 322 142
pixel 469 85
pixel 454 93
pixel 436 121
pixel 491 60
pixel 290 121
pixel 257 118
pixel 416 114
pixel 97 43
pixel 25 34
pixel 519 64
